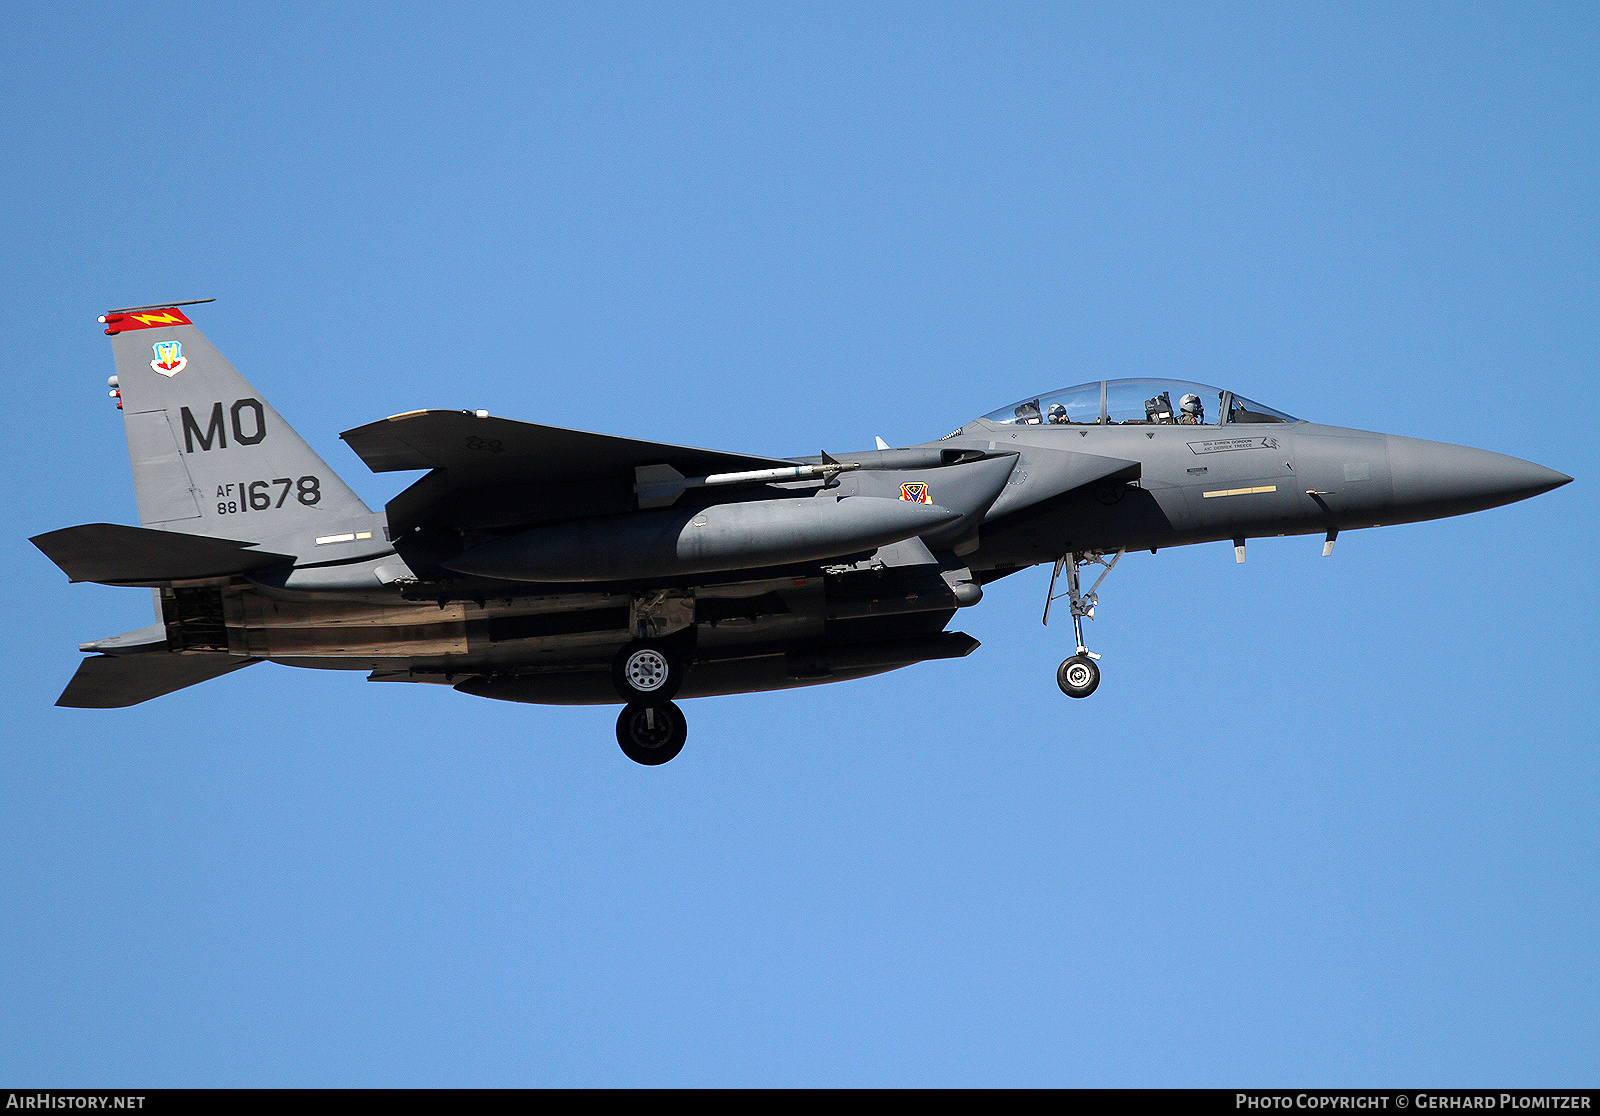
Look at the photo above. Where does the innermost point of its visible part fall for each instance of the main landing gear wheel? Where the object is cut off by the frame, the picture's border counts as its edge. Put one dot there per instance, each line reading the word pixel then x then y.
pixel 651 734
pixel 1078 676
pixel 646 672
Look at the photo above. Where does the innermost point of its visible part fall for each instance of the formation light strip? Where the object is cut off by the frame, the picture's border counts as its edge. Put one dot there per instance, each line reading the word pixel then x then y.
pixel 1241 491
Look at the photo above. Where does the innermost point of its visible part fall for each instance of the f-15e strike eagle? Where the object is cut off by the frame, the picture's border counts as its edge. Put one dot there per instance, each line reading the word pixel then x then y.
pixel 538 564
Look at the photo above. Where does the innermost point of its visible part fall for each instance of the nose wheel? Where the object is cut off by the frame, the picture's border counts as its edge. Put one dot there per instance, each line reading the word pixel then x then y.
pixel 1080 675
pixel 651 734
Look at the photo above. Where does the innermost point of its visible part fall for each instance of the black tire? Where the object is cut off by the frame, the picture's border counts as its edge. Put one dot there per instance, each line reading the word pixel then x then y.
pixel 646 672
pixel 651 734
pixel 1078 676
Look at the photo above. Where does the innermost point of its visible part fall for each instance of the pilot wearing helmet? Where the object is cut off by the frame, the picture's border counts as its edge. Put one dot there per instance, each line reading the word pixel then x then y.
pixel 1192 413
pixel 1057 414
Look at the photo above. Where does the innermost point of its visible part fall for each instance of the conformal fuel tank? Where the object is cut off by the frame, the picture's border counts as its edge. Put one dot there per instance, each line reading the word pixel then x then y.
pixel 667 541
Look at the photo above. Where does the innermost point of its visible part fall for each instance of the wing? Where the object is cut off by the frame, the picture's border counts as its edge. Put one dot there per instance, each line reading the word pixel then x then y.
pixel 487 450
pixel 492 472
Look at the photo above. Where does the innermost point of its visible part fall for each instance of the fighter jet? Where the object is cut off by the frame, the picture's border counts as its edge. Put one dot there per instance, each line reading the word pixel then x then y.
pixel 539 564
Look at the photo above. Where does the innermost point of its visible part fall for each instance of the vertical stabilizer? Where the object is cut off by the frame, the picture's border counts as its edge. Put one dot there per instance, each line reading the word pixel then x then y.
pixel 210 456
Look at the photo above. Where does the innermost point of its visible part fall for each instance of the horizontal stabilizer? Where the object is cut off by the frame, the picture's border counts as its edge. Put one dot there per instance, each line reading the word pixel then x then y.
pixel 145 641
pixel 484 450
pixel 114 554
pixel 116 681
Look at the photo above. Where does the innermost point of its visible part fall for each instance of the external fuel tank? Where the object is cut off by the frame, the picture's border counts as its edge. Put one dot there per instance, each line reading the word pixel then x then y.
pixel 665 542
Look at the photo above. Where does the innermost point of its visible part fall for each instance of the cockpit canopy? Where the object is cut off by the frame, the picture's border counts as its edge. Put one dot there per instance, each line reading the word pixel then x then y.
pixel 1138 403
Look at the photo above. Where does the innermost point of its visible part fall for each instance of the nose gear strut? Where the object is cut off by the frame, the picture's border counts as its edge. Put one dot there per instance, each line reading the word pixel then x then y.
pixel 1079 675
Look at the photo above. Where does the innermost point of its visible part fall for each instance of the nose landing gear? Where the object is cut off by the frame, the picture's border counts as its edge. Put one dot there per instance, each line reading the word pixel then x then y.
pixel 1079 675
pixel 651 734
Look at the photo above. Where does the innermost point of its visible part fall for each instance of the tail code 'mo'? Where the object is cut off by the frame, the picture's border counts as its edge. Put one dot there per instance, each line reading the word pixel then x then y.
pixel 210 456
pixel 217 433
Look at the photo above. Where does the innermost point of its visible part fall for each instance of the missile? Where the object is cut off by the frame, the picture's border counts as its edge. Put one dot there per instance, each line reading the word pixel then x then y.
pixel 665 542
pixel 660 485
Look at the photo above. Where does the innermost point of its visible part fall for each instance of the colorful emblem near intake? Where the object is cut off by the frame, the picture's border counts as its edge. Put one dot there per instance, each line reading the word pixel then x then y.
pixel 916 492
pixel 169 357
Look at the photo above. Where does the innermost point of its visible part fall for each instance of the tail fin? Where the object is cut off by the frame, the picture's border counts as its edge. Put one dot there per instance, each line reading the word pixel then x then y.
pixel 210 456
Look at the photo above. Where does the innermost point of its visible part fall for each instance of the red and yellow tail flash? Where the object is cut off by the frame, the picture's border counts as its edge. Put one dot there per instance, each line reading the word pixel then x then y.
pixel 144 319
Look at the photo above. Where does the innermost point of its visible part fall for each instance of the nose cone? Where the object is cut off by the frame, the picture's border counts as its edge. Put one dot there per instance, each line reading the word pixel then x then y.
pixel 1434 479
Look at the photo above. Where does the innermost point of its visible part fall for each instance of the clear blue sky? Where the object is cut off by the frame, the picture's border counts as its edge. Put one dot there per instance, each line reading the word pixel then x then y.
pixel 1326 821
